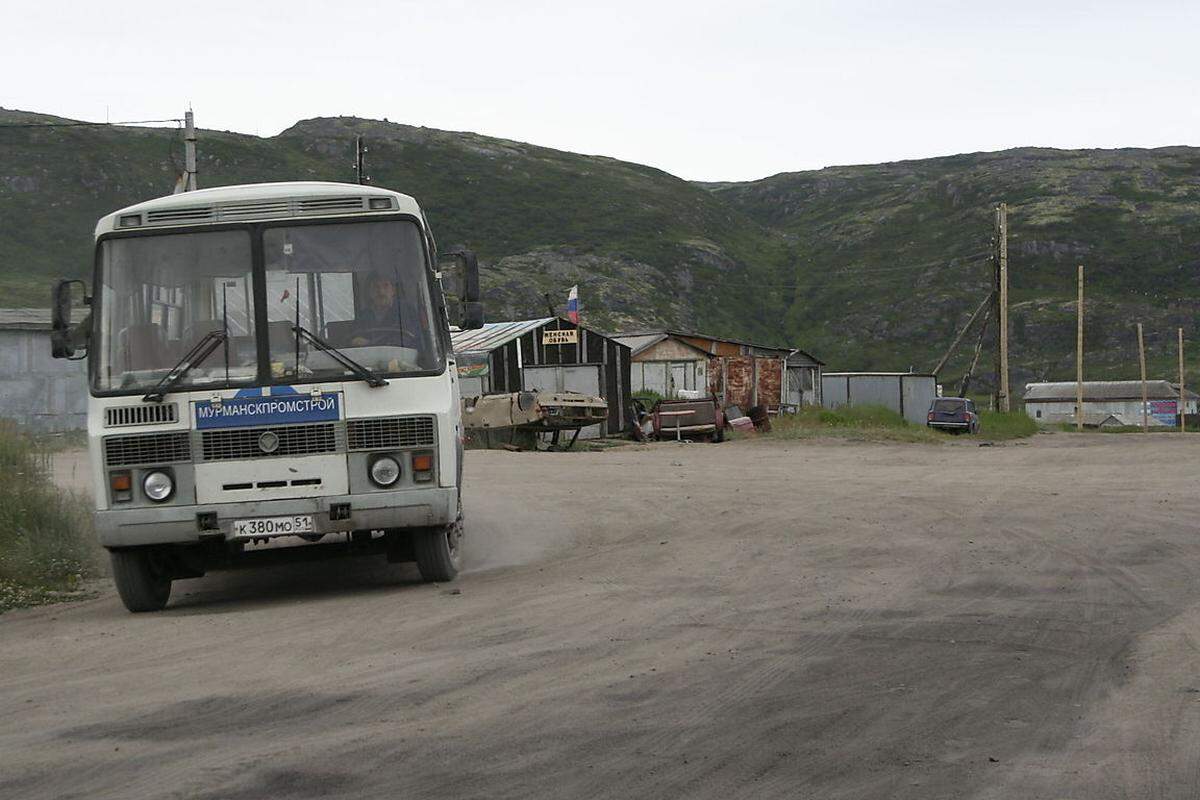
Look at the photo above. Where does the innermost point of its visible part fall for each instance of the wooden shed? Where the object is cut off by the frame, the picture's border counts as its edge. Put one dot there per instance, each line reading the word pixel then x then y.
pixel 548 354
pixel 736 372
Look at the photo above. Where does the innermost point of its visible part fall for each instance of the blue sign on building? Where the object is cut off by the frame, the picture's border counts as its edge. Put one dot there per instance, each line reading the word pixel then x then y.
pixel 246 410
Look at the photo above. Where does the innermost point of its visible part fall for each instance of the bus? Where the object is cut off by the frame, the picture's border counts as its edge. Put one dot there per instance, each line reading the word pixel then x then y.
pixel 270 371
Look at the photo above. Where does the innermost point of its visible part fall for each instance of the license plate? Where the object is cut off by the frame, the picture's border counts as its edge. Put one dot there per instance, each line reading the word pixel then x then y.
pixel 273 526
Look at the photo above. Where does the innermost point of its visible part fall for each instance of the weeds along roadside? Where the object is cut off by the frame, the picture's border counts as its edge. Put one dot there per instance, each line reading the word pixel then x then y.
pixel 47 545
pixel 876 423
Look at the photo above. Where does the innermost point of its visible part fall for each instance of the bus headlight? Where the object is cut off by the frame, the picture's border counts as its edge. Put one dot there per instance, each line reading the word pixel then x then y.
pixel 158 486
pixel 385 471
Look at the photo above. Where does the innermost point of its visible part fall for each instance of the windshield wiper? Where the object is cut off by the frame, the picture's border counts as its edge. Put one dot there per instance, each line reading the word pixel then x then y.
pixel 360 372
pixel 201 350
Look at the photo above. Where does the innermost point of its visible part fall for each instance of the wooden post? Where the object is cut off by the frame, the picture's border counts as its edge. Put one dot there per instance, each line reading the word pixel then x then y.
pixel 1142 363
pixel 1002 218
pixel 1182 403
pixel 1079 359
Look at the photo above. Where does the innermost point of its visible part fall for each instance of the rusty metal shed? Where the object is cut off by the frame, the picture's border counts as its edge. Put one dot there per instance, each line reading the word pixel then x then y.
pixel 547 354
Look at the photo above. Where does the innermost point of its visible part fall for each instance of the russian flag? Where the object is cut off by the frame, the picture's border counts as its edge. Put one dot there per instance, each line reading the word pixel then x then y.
pixel 573 305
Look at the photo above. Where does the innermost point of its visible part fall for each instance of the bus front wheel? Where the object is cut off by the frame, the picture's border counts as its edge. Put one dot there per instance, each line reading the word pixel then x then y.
pixel 439 551
pixel 143 578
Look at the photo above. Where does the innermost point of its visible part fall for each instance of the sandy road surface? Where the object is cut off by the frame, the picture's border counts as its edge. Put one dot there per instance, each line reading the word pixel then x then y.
pixel 746 620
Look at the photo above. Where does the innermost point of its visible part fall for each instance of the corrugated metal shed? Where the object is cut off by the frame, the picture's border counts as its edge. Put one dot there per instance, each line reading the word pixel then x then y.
pixel 907 393
pixel 1097 391
pixel 38 391
pixel 493 335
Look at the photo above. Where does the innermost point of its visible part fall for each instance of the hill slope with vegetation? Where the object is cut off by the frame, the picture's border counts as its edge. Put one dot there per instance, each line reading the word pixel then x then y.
pixel 645 247
pixel 870 267
pixel 890 259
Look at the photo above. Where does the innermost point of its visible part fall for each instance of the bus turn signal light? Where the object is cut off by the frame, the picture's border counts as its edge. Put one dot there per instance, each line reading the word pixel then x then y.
pixel 422 464
pixel 121 484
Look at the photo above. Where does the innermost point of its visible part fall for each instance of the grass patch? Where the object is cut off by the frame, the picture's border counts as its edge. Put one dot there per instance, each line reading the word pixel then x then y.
pixel 46 544
pixel 858 423
pixel 1069 427
pixel 1013 425
pixel 649 397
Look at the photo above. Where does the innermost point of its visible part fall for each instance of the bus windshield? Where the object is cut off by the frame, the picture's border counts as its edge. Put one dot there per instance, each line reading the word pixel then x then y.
pixel 360 286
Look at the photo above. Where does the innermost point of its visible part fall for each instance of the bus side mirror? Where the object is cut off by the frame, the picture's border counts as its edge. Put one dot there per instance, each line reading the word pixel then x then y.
pixel 460 282
pixel 66 339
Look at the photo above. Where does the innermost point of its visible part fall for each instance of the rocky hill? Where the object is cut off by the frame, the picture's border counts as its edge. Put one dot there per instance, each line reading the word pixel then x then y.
pixel 870 267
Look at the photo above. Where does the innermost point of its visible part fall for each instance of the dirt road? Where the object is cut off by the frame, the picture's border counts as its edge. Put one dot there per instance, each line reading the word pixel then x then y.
pixel 746 620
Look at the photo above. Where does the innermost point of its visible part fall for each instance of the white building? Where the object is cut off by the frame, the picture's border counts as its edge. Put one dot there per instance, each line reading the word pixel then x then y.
pixel 1055 402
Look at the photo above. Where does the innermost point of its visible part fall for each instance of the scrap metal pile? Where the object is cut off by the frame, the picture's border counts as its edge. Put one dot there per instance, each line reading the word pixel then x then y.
pixel 514 421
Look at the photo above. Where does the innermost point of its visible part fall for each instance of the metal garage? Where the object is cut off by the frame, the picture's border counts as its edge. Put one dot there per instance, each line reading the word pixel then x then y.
pixel 907 393
pixel 36 391
pixel 548 354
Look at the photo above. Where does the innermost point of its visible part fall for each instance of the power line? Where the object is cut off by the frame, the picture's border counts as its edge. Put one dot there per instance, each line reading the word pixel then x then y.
pixel 86 124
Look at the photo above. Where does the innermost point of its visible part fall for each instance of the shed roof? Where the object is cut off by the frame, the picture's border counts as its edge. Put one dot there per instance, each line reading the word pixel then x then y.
pixel 653 337
pixel 494 334
pixel 1095 391
pixel 639 343
pixel 33 319
pixel 878 374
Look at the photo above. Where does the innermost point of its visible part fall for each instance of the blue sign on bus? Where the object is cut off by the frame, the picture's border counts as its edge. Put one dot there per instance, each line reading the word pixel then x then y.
pixel 285 409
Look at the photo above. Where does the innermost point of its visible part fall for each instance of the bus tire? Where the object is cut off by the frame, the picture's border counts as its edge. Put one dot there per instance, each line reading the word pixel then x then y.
pixel 143 580
pixel 439 551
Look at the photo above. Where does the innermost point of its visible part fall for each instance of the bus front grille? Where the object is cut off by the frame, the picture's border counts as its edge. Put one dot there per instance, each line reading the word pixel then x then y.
pixel 147 448
pixel 386 433
pixel 276 440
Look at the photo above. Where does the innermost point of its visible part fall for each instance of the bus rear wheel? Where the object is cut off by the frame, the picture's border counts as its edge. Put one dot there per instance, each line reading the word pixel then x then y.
pixel 439 551
pixel 143 578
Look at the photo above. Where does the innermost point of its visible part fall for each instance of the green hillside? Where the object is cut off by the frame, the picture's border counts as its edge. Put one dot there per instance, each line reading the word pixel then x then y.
pixel 890 259
pixel 870 267
pixel 644 247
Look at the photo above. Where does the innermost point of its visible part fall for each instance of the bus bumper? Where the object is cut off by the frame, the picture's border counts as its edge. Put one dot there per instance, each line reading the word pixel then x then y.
pixel 189 524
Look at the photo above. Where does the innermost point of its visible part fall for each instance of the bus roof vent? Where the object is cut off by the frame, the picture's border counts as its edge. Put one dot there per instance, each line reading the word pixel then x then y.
pixel 254 210
pixel 259 209
pixel 325 205
pixel 169 215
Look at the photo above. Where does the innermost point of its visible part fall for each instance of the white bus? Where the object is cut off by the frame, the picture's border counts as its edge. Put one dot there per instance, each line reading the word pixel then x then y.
pixel 271 364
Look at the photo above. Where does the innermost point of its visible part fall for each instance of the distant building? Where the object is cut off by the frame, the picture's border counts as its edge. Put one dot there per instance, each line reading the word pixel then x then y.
pixel 1055 402
pixel 736 372
pixel 36 391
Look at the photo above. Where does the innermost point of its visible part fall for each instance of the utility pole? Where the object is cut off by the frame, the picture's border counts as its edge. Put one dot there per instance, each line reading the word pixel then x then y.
pixel 187 181
pixel 360 161
pixel 1079 359
pixel 1182 404
pixel 1001 292
pixel 1145 398
pixel 189 152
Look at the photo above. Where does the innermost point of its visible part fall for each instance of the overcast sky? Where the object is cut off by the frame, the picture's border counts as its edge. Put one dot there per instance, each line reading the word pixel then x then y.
pixel 705 90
